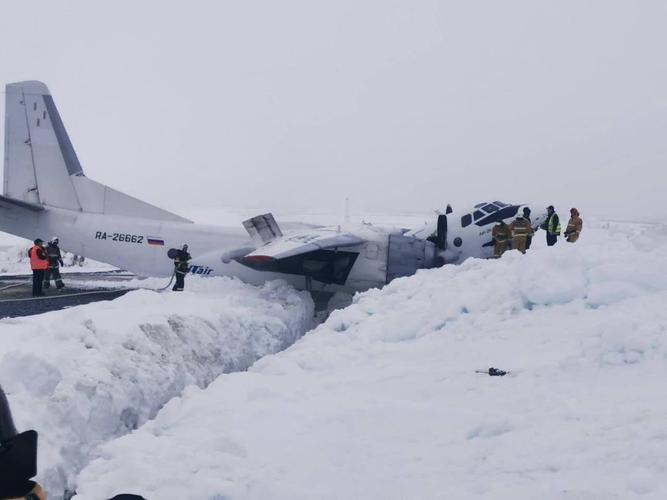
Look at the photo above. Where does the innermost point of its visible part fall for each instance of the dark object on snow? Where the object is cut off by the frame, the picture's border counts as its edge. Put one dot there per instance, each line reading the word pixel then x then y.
pixel 18 456
pixel 493 372
pixel 127 496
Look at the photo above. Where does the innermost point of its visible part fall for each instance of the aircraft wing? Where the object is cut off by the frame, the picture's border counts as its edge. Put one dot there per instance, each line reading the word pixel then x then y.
pixel 301 243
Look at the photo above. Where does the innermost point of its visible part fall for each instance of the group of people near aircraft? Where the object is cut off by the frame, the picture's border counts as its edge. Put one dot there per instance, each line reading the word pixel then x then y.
pixel 45 263
pixel 518 234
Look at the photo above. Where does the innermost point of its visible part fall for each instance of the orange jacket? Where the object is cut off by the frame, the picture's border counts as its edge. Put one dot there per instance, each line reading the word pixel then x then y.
pixel 38 259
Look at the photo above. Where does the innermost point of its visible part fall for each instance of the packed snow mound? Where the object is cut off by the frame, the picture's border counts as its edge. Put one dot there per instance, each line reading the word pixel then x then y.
pixel 14 260
pixel 382 400
pixel 84 375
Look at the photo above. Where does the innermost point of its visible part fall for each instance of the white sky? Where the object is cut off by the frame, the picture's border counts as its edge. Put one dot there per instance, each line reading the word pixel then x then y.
pixel 396 104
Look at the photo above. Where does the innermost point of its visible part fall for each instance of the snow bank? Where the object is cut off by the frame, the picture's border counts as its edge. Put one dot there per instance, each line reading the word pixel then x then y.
pixel 84 375
pixel 382 401
pixel 14 260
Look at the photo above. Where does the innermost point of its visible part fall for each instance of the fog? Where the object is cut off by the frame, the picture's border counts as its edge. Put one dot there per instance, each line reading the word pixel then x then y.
pixel 398 105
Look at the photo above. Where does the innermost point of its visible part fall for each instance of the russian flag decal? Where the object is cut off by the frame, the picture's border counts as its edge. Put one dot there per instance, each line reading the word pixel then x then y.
pixel 152 240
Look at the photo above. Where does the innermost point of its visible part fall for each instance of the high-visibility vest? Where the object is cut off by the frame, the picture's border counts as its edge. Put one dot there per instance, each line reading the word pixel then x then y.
pixel 552 228
pixel 37 264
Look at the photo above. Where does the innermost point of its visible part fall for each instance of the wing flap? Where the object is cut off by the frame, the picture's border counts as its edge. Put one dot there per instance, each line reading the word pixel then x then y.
pixel 297 244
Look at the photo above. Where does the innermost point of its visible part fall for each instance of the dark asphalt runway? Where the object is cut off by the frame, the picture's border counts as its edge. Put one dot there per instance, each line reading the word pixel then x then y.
pixel 16 294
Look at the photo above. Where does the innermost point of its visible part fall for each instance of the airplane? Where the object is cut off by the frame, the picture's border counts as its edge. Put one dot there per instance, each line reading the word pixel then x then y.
pixel 45 192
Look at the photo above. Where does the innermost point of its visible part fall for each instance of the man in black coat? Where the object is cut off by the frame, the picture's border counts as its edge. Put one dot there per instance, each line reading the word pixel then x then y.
pixel 181 268
pixel 551 226
pixel 55 261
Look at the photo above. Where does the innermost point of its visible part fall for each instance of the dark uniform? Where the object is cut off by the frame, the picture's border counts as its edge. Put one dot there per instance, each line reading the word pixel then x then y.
pixel 501 237
pixel 551 226
pixel 55 261
pixel 39 263
pixel 526 215
pixel 181 268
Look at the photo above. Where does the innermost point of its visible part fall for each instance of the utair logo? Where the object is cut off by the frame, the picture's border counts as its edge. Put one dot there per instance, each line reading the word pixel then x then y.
pixel 200 270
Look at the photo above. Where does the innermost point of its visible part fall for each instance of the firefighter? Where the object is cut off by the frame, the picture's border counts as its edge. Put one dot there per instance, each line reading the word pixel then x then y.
pixel 501 237
pixel 39 263
pixel 551 226
pixel 55 261
pixel 526 215
pixel 574 226
pixel 181 268
pixel 520 229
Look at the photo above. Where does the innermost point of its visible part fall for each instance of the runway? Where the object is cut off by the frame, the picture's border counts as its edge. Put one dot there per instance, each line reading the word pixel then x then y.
pixel 16 299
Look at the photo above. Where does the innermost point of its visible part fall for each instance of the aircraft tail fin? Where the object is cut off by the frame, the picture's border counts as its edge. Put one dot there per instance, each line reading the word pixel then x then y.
pixel 42 168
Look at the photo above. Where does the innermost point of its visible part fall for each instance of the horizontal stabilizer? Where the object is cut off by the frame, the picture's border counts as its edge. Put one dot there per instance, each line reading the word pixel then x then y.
pixel 297 244
pixel 4 200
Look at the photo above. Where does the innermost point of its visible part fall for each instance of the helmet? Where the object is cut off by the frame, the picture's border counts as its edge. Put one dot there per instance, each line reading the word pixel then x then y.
pixel 185 246
pixel 54 240
pixel 38 241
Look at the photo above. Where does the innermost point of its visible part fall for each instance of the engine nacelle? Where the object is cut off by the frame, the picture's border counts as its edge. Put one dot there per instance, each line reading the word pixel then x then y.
pixel 406 255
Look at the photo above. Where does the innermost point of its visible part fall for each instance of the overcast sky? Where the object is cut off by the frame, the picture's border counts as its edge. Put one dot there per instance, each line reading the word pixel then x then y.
pixel 397 104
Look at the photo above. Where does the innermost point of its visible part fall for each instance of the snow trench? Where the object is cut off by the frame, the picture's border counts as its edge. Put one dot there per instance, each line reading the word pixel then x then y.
pixel 83 376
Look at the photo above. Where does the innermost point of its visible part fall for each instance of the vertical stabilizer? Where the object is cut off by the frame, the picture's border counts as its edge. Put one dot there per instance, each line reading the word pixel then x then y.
pixel 39 157
pixel 41 166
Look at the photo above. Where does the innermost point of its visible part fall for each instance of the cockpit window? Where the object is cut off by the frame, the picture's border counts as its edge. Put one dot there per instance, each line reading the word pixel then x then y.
pixel 490 208
pixel 466 220
pixel 500 204
pixel 477 215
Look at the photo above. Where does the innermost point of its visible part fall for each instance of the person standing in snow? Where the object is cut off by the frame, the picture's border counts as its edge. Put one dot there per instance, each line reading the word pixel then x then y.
pixel 551 226
pixel 526 215
pixel 181 268
pixel 574 226
pixel 39 263
pixel 520 229
pixel 55 261
pixel 501 238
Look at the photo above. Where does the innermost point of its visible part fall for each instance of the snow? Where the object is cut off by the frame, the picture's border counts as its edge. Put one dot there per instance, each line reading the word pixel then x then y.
pixel 14 261
pixel 382 400
pixel 84 375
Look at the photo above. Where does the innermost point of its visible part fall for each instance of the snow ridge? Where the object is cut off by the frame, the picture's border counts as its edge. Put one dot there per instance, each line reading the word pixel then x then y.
pixel 83 376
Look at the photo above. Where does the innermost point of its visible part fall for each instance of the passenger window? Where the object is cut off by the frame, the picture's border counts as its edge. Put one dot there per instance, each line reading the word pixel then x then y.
pixel 466 220
pixel 478 215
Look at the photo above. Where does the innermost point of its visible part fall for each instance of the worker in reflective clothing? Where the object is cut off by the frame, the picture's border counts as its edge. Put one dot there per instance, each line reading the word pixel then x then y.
pixel 501 237
pixel 39 263
pixel 181 268
pixel 551 226
pixel 574 226
pixel 55 261
pixel 520 229
pixel 526 215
